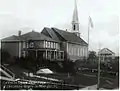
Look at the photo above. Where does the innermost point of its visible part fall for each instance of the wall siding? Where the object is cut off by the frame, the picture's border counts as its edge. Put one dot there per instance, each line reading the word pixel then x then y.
pixel 77 50
pixel 11 47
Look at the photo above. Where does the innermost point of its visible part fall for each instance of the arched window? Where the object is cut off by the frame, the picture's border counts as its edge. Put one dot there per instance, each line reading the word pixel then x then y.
pixel 74 27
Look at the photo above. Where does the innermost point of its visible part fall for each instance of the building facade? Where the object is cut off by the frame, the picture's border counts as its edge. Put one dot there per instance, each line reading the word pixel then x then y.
pixel 106 55
pixel 51 43
pixel 33 44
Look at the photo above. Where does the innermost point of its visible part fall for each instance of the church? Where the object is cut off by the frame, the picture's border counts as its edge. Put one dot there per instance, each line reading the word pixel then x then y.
pixel 51 43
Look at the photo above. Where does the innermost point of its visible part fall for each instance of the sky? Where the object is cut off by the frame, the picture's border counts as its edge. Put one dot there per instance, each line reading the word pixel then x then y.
pixel 28 15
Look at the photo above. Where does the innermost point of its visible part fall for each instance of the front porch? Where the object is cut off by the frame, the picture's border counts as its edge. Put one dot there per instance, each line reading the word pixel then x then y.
pixel 47 54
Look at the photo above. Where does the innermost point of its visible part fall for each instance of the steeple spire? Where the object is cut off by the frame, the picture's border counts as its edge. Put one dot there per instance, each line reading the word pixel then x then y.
pixel 75 14
pixel 75 21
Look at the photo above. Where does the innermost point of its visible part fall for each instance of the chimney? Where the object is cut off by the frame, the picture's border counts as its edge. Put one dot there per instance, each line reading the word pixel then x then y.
pixel 32 30
pixel 19 33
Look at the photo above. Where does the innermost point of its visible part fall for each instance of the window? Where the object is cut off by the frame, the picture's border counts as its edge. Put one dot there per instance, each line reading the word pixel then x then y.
pixel 27 45
pixel 48 44
pixel 51 44
pixel 78 52
pixel 23 53
pixel 31 44
pixel 74 27
pixel 54 45
pixel 83 51
pixel 24 45
pixel 44 44
pixel 72 50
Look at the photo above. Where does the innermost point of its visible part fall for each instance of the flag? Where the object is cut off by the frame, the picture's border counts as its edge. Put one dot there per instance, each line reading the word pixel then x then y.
pixel 90 22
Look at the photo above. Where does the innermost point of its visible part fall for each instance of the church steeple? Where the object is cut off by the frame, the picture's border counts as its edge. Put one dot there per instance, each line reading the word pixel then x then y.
pixel 75 21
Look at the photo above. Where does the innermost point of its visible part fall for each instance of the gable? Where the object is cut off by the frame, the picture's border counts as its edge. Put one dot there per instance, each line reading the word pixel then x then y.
pixel 36 36
pixel 45 32
pixel 50 33
pixel 105 51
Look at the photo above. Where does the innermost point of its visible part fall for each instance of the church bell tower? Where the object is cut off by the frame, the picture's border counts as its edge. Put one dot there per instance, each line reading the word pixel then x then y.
pixel 75 21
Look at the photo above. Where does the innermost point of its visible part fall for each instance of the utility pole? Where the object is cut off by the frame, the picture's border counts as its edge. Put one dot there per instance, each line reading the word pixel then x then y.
pixel 98 79
pixel 98 76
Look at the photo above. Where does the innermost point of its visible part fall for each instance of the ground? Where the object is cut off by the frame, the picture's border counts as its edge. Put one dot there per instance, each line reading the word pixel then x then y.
pixel 81 79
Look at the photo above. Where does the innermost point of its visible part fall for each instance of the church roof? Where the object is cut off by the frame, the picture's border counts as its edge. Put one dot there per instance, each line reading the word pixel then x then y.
pixel 70 37
pixel 105 51
pixel 61 35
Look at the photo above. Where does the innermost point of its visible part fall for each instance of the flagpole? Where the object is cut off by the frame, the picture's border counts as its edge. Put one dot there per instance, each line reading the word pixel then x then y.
pixel 88 33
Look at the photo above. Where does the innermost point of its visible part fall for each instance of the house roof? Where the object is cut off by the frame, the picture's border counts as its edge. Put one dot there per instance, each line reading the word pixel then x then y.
pixel 105 51
pixel 35 36
pixel 70 37
pixel 12 38
pixel 28 36
pixel 49 32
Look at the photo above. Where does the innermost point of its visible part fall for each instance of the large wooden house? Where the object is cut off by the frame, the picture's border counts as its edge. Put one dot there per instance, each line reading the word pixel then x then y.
pixel 51 43
pixel 33 44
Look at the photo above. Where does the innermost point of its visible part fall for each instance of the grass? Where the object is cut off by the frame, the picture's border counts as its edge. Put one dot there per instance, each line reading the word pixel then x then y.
pixel 77 79
pixel 105 82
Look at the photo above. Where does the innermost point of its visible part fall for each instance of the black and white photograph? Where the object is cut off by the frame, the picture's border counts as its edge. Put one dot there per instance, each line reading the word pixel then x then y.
pixel 59 45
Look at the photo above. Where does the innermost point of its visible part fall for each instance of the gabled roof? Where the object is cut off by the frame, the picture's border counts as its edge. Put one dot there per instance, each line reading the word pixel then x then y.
pixel 28 36
pixel 49 32
pixel 35 36
pixel 13 38
pixel 70 37
pixel 105 51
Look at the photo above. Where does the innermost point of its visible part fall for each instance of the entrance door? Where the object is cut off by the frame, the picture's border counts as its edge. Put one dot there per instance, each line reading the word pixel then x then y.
pixel 40 55
pixel 32 54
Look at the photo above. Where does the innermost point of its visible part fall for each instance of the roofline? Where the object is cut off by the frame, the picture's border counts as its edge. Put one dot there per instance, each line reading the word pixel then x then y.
pixel 107 49
pixel 47 31
pixel 10 41
pixel 27 40
pixel 77 43
pixel 44 40
pixel 54 29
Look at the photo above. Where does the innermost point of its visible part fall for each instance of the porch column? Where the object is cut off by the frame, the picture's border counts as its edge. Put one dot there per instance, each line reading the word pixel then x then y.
pixel 54 54
pixel 46 54
pixel 36 53
pixel 26 52
pixel 50 54
pixel 63 55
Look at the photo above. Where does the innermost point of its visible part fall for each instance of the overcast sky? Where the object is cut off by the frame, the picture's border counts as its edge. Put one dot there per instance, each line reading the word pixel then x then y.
pixel 26 15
